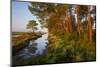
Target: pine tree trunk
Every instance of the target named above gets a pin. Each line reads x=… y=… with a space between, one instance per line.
x=89 y=24
x=78 y=24
x=68 y=22
x=78 y=19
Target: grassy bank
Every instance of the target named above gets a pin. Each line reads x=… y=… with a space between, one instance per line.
x=71 y=48
x=64 y=48
x=21 y=40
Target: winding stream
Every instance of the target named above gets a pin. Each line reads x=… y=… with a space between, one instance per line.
x=34 y=48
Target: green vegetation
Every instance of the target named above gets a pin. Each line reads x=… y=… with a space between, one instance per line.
x=64 y=48
x=32 y=25
x=71 y=39
x=21 y=40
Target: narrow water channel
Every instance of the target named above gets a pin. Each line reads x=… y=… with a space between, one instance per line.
x=34 y=48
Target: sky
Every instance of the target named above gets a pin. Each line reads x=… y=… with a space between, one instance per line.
x=20 y=17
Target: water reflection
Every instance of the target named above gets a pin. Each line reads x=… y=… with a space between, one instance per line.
x=41 y=44
x=34 y=48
